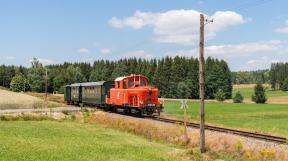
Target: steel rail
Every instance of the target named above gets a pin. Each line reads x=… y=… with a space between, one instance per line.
x=270 y=138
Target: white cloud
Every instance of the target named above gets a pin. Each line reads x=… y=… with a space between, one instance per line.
x=46 y=61
x=10 y=57
x=283 y=29
x=239 y=50
x=200 y=2
x=244 y=56
x=178 y=26
x=138 y=54
x=83 y=51
x=262 y=63
x=105 y=51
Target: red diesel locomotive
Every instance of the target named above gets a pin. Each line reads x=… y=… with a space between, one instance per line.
x=130 y=94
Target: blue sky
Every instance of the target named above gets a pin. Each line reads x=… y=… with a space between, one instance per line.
x=248 y=34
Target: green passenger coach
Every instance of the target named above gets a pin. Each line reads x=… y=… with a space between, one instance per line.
x=94 y=93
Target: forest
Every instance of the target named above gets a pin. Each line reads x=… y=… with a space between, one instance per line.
x=167 y=74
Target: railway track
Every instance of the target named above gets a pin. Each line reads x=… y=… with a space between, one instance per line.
x=270 y=138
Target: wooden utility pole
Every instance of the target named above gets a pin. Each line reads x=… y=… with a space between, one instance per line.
x=46 y=86
x=202 y=85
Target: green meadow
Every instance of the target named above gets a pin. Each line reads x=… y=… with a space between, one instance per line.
x=267 y=118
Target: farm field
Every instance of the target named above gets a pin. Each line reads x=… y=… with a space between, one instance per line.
x=54 y=140
x=267 y=118
x=13 y=100
x=274 y=97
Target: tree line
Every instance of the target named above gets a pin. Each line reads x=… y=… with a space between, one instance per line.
x=279 y=76
x=251 y=77
x=167 y=74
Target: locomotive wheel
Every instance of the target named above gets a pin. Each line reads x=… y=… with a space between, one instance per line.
x=140 y=113
x=127 y=111
x=106 y=108
x=113 y=109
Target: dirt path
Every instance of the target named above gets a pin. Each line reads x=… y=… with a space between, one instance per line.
x=58 y=109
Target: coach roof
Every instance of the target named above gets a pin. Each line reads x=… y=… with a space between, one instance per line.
x=86 y=84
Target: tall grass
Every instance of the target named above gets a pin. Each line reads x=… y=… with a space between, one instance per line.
x=25 y=117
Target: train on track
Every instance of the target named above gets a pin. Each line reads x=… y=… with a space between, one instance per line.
x=130 y=94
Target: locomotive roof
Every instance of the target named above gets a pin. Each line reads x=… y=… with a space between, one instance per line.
x=121 y=78
x=100 y=83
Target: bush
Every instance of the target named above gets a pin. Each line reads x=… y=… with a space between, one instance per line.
x=284 y=85
x=220 y=95
x=259 y=94
x=238 y=98
x=19 y=83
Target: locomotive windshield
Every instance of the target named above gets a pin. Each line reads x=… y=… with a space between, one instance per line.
x=132 y=83
x=142 y=82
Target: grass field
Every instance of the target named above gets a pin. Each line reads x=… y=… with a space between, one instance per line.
x=266 y=118
x=52 y=140
x=248 y=90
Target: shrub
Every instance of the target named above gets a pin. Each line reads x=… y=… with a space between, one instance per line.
x=65 y=112
x=19 y=83
x=238 y=98
x=259 y=94
x=220 y=95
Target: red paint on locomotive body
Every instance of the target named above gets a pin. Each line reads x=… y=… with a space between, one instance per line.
x=133 y=92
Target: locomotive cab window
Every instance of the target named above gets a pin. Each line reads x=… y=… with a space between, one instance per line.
x=131 y=83
x=118 y=84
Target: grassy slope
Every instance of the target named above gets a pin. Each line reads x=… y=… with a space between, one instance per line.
x=267 y=118
x=48 y=140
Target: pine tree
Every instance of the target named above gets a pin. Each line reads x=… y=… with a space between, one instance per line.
x=220 y=95
x=238 y=98
x=192 y=78
x=284 y=85
x=259 y=94
x=120 y=70
x=182 y=90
